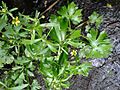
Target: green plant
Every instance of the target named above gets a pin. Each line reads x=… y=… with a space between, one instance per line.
x=20 y=73
x=54 y=48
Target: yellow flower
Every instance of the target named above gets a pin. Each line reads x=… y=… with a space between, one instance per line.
x=15 y=21
x=73 y=53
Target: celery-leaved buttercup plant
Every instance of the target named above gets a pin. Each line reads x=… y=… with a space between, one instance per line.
x=16 y=68
x=54 y=49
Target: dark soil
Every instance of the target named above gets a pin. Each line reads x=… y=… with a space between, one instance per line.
x=106 y=74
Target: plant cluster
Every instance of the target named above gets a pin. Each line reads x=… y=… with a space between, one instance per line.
x=53 y=49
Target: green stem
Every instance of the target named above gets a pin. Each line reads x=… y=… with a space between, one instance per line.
x=69 y=24
x=48 y=33
x=18 y=50
x=67 y=78
x=10 y=15
x=84 y=37
x=28 y=88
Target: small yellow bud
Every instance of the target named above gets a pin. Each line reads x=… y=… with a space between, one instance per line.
x=5 y=72
x=3 y=10
x=3 y=36
x=109 y=5
x=43 y=16
x=10 y=41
